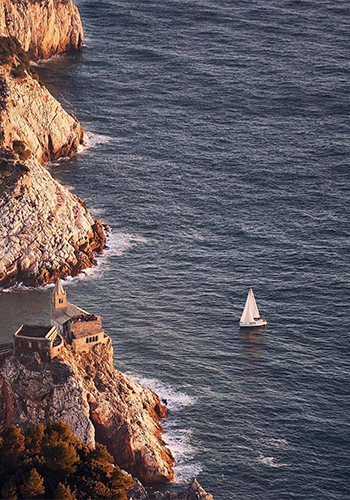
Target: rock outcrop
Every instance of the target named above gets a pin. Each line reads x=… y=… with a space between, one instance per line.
x=194 y=491
x=43 y=27
x=29 y=113
x=46 y=231
x=96 y=400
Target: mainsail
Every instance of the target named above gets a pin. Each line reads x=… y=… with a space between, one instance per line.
x=250 y=311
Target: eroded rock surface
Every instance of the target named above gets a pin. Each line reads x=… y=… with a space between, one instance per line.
x=46 y=231
x=44 y=28
x=29 y=113
x=194 y=491
x=96 y=400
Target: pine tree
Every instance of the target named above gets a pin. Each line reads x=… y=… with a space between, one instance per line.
x=33 y=439
x=9 y=490
x=63 y=493
x=33 y=485
x=11 y=447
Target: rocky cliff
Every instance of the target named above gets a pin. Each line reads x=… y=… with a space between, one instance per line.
x=96 y=400
x=194 y=491
x=43 y=27
x=45 y=231
x=29 y=113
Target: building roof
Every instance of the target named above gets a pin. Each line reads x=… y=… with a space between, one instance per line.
x=38 y=331
x=59 y=290
x=64 y=314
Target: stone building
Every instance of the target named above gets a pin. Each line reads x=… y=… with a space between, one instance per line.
x=78 y=327
x=43 y=339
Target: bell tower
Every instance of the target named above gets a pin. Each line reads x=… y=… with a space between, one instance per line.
x=59 y=296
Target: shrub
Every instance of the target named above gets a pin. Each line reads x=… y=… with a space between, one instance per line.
x=20 y=148
x=11 y=52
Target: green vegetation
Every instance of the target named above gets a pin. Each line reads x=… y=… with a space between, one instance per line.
x=50 y=462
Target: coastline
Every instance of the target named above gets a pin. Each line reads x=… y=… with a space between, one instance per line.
x=37 y=152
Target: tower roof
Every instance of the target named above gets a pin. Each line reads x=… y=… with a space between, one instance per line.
x=59 y=290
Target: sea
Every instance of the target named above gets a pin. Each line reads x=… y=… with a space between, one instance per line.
x=217 y=152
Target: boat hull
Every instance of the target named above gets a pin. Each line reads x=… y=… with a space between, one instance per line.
x=254 y=324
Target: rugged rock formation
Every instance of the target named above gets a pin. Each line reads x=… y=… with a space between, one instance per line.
x=43 y=27
x=45 y=230
x=95 y=399
x=29 y=113
x=194 y=491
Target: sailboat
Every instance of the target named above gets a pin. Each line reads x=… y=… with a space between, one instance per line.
x=251 y=317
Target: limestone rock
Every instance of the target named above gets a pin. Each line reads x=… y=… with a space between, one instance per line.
x=194 y=491
x=46 y=231
x=30 y=114
x=96 y=400
x=44 y=28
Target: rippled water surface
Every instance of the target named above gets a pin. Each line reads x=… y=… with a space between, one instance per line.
x=220 y=159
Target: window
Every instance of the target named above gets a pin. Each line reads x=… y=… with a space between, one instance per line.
x=60 y=301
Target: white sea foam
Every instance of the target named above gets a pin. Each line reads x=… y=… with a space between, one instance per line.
x=275 y=442
x=192 y=235
x=176 y=400
x=178 y=438
x=91 y=140
x=117 y=244
x=270 y=461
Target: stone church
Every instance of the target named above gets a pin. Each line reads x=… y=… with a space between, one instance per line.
x=79 y=328
x=69 y=323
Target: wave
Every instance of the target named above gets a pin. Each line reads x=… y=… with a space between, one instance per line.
x=91 y=140
x=275 y=442
x=117 y=244
x=175 y=435
x=270 y=461
x=175 y=400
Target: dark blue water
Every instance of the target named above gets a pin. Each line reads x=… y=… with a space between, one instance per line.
x=224 y=164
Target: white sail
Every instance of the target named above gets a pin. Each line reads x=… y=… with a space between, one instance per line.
x=250 y=311
x=256 y=313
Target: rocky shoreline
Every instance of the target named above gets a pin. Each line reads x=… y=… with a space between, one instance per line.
x=46 y=232
x=96 y=400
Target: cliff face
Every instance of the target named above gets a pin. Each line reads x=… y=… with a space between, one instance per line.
x=29 y=113
x=45 y=231
x=43 y=27
x=96 y=400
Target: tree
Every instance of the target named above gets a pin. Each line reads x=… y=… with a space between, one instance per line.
x=101 y=454
x=120 y=482
x=33 y=485
x=61 y=458
x=12 y=447
x=33 y=439
x=9 y=490
x=60 y=431
x=63 y=492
